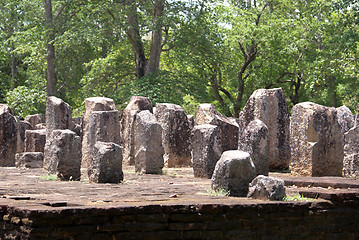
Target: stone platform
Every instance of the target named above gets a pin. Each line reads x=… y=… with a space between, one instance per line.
x=172 y=205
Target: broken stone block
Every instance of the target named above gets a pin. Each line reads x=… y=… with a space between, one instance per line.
x=351 y=153
x=58 y=116
x=103 y=126
x=8 y=137
x=136 y=105
x=34 y=119
x=270 y=106
x=106 y=164
x=22 y=126
x=77 y=126
x=316 y=141
x=207 y=114
x=190 y=121
x=176 y=134
x=29 y=160
x=35 y=140
x=206 y=149
x=255 y=140
x=345 y=118
x=40 y=126
x=233 y=172
x=148 y=147
x=64 y=153
x=92 y=104
x=267 y=188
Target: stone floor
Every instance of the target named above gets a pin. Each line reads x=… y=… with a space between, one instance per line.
x=29 y=188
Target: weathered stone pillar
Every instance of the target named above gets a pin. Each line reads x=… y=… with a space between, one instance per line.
x=316 y=141
x=136 y=105
x=58 y=116
x=106 y=164
x=345 y=118
x=35 y=140
x=64 y=153
x=233 y=173
x=351 y=153
x=206 y=149
x=29 y=160
x=34 y=119
x=270 y=106
x=22 y=126
x=176 y=134
x=148 y=149
x=8 y=137
x=92 y=104
x=228 y=129
x=255 y=140
x=103 y=126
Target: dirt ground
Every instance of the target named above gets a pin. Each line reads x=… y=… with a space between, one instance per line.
x=175 y=185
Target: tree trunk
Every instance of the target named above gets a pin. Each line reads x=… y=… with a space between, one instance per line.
x=156 y=41
x=51 y=79
x=134 y=36
x=13 y=67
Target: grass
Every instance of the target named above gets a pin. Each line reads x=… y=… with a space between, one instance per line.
x=50 y=177
x=220 y=192
x=298 y=198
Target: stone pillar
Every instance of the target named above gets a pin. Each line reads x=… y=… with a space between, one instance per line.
x=103 y=126
x=8 y=137
x=316 y=141
x=270 y=106
x=35 y=140
x=92 y=104
x=34 y=119
x=58 y=116
x=345 y=118
x=106 y=164
x=136 y=104
x=255 y=140
x=233 y=173
x=64 y=153
x=29 y=160
x=207 y=114
x=22 y=126
x=206 y=149
x=148 y=149
x=176 y=134
x=351 y=153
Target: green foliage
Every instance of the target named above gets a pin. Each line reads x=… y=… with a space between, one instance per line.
x=160 y=87
x=308 y=48
x=25 y=101
x=297 y=198
x=220 y=192
x=49 y=177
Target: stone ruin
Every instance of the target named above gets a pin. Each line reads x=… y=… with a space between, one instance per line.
x=351 y=150
x=147 y=141
x=176 y=134
x=136 y=105
x=206 y=149
x=8 y=136
x=270 y=106
x=316 y=141
x=323 y=140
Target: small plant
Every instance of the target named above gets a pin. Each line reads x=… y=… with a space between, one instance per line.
x=220 y=192
x=50 y=177
x=298 y=198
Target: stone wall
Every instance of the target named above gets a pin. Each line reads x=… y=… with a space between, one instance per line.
x=266 y=220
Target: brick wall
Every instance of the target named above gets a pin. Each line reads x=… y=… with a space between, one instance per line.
x=264 y=220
